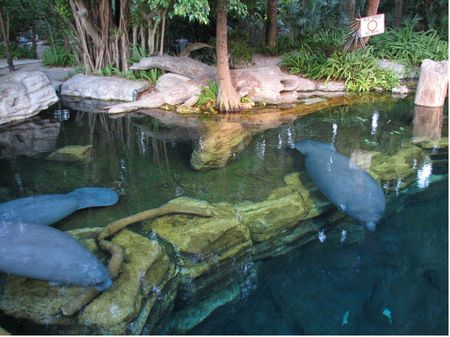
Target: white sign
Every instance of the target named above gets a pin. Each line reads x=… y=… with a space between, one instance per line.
x=371 y=25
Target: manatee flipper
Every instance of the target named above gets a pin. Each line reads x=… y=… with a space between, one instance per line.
x=94 y=196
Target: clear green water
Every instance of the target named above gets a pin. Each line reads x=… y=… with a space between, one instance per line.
x=402 y=267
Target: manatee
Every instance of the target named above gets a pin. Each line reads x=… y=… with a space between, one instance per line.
x=354 y=191
x=48 y=209
x=47 y=254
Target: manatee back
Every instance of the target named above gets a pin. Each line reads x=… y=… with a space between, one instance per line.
x=94 y=196
x=45 y=253
x=345 y=184
x=40 y=210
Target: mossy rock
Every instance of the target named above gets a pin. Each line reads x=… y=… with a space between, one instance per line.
x=71 y=153
x=397 y=171
x=430 y=144
x=218 y=143
x=283 y=210
x=123 y=309
x=3 y=332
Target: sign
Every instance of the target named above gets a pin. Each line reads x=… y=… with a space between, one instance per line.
x=371 y=25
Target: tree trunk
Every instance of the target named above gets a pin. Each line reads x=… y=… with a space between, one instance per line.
x=142 y=36
x=398 y=13
x=6 y=43
x=227 y=98
x=372 y=9
x=123 y=29
x=271 y=26
x=163 y=28
x=135 y=36
x=34 y=40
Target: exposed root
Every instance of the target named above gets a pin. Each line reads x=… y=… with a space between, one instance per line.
x=117 y=252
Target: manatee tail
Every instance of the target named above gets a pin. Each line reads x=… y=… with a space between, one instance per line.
x=94 y=196
x=307 y=145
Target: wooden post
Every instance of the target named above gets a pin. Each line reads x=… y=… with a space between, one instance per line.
x=427 y=122
x=433 y=83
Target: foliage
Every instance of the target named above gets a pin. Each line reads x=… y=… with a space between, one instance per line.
x=208 y=95
x=358 y=69
x=17 y=51
x=58 y=56
x=138 y=54
x=408 y=46
x=150 y=75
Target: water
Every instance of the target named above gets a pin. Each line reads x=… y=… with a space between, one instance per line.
x=395 y=282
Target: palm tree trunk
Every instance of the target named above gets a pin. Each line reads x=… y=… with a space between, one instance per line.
x=398 y=13
x=227 y=98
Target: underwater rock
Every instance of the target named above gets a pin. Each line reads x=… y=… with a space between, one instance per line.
x=45 y=253
x=209 y=250
x=430 y=144
x=3 y=332
x=29 y=138
x=140 y=296
x=345 y=184
x=24 y=94
x=71 y=153
x=141 y=285
x=48 y=209
x=397 y=171
x=218 y=142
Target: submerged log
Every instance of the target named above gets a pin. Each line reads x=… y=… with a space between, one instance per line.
x=433 y=83
x=427 y=122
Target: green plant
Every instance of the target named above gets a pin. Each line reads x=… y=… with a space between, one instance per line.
x=408 y=46
x=208 y=95
x=304 y=61
x=138 y=54
x=58 y=56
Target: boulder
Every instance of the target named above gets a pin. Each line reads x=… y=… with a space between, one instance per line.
x=140 y=296
x=399 y=69
x=29 y=138
x=103 y=87
x=218 y=142
x=306 y=85
x=331 y=86
x=266 y=84
x=71 y=153
x=3 y=332
x=172 y=89
x=24 y=94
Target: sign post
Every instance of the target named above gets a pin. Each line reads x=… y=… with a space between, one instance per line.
x=371 y=25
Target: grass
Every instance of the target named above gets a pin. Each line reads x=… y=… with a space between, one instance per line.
x=58 y=56
x=150 y=75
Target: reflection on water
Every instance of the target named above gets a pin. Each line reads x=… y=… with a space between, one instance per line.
x=393 y=282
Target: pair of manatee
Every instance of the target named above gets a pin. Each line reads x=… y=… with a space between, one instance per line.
x=30 y=248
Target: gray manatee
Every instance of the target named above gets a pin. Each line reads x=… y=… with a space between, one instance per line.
x=48 y=209
x=47 y=254
x=354 y=191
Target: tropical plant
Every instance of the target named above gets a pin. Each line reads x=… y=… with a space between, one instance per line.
x=208 y=95
x=409 y=46
x=59 y=56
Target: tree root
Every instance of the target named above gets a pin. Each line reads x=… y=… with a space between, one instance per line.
x=117 y=252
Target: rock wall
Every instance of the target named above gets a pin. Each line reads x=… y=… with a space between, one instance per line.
x=24 y=94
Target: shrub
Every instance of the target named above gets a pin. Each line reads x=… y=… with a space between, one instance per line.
x=208 y=95
x=150 y=75
x=58 y=56
x=408 y=46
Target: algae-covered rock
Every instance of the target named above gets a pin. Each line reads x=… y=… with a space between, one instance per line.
x=218 y=143
x=282 y=210
x=146 y=277
x=71 y=153
x=430 y=144
x=397 y=171
x=3 y=332
x=125 y=307
x=208 y=249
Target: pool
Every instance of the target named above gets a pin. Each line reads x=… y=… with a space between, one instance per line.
x=392 y=281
